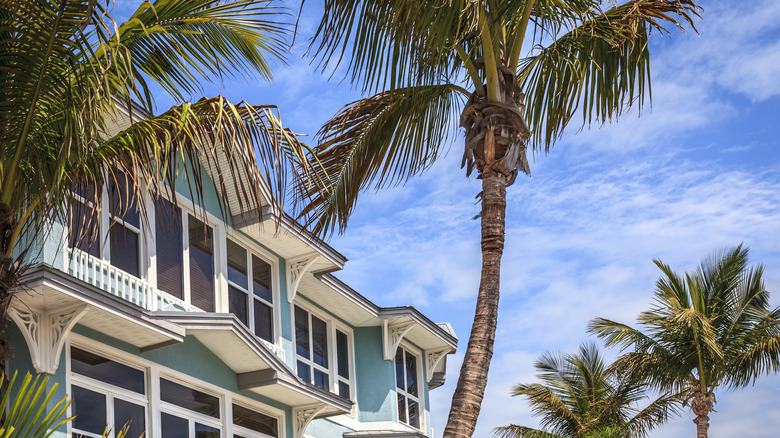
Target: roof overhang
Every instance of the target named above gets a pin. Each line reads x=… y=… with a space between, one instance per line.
x=257 y=368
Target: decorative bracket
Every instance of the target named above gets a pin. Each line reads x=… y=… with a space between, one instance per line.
x=295 y=270
x=302 y=416
x=45 y=333
x=432 y=360
x=392 y=333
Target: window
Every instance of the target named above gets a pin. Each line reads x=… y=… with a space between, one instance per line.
x=407 y=390
x=125 y=227
x=104 y=394
x=250 y=276
x=188 y=412
x=247 y=422
x=315 y=362
x=170 y=248
x=122 y=246
x=201 y=238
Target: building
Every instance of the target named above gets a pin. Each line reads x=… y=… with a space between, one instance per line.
x=218 y=325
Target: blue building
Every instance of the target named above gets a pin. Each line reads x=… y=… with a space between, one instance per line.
x=217 y=322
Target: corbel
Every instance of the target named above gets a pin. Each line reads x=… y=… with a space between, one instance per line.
x=46 y=332
x=295 y=269
x=392 y=333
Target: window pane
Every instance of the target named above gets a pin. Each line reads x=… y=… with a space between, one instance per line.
x=304 y=372
x=302 y=332
x=261 y=279
x=124 y=249
x=122 y=203
x=264 y=321
x=256 y=421
x=343 y=354
x=83 y=228
x=189 y=398
x=131 y=415
x=411 y=374
x=201 y=265
x=174 y=427
x=169 y=249
x=321 y=379
x=236 y=256
x=237 y=301
x=414 y=414
x=344 y=390
x=402 y=408
x=99 y=368
x=89 y=407
x=319 y=339
x=399 y=369
x=203 y=431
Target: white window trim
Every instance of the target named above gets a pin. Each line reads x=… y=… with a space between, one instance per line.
x=419 y=354
x=332 y=325
x=253 y=248
x=153 y=373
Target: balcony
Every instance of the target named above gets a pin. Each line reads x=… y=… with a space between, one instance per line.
x=103 y=275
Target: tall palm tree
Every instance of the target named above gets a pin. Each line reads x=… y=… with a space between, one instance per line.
x=69 y=72
x=708 y=328
x=581 y=397
x=513 y=74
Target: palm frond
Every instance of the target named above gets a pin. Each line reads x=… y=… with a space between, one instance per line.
x=392 y=44
x=600 y=66
x=515 y=431
x=374 y=142
x=27 y=413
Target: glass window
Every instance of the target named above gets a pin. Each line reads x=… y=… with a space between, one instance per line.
x=168 y=241
x=124 y=234
x=256 y=314
x=89 y=407
x=97 y=405
x=105 y=370
x=201 y=264
x=315 y=363
x=406 y=377
x=189 y=398
x=174 y=427
x=255 y=421
x=83 y=225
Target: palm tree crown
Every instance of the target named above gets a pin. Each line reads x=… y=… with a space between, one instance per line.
x=581 y=397
x=513 y=74
x=707 y=329
x=70 y=74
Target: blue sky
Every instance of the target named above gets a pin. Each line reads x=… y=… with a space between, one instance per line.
x=697 y=172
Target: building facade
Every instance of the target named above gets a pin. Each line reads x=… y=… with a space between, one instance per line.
x=211 y=321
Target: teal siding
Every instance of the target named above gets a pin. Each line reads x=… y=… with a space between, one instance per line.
x=326 y=428
x=374 y=377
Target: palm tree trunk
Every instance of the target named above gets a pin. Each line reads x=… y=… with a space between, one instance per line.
x=702 y=426
x=467 y=400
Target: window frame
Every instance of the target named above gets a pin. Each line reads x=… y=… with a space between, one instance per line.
x=421 y=385
x=110 y=391
x=332 y=325
x=105 y=220
x=252 y=249
x=154 y=405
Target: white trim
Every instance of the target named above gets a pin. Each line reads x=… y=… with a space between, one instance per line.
x=154 y=372
x=420 y=398
x=332 y=324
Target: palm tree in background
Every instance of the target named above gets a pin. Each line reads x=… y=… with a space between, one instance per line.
x=69 y=72
x=513 y=74
x=707 y=329
x=581 y=397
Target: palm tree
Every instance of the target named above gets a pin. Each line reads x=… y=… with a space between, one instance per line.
x=69 y=72
x=709 y=328
x=581 y=397
x=516 y=71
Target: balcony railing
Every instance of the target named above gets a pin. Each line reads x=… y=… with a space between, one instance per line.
x=117 y=282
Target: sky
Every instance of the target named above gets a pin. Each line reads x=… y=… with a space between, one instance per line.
x=697 y=172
